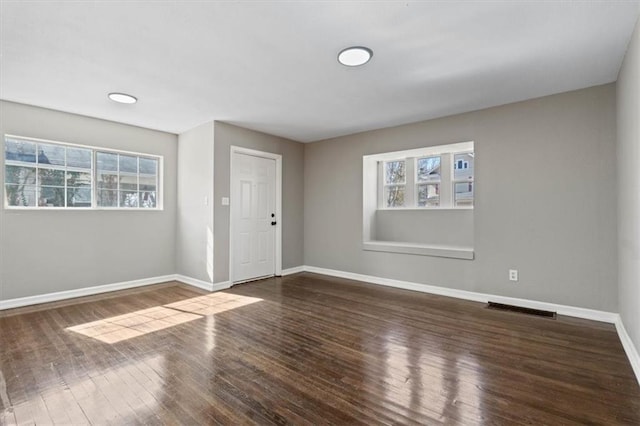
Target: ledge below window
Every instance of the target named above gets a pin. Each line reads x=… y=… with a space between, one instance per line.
x=454 y=252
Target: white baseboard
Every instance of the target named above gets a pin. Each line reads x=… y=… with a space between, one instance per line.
x=294 y=270
x=222 y=285
x=204 y=285
x=590 y=314
x=629 y=348
x=573 y=311
x=88 y=291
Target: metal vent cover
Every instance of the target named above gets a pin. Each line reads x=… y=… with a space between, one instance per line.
x=521 y=309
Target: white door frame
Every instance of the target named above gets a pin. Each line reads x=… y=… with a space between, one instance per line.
x=278 y=206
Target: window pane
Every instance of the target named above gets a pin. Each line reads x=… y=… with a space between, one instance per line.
x=128 y=199
x=20 y=175
x=128 y=164
x=78 y=157
x=428 y=169
x=40 y=176
x=429 y=195
x=21 y=195
x=16 y=150
x=78 y=179
x=51 y=177
x=147 y=183
x=148 y=166
x=148 y=199
x=51 y=197
x=463 y=166
x=394 y=172
x=51 y=154
x=107 y=181
x=463 y=194
x=394 y=196
x=79 y=197
x=106 y=161
x=128 y=183
x=107 y=198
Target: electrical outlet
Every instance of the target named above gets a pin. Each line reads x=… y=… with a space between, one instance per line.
x=513 y=275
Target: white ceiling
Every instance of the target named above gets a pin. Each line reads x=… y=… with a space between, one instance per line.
x=271 y=66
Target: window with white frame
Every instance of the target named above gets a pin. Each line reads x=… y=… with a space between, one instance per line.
x=46 y=174
x=432 y=177
x=428 y=179
x=463 y=179
x=395 y=178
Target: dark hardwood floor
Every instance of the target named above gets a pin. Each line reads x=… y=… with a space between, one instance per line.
x=306 y=349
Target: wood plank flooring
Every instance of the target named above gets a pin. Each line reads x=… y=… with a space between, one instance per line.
x=306 y=349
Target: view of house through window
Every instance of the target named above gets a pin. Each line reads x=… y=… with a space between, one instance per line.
x=463 y=179
x=433 y=177
x=428 y=181
x=41 y=174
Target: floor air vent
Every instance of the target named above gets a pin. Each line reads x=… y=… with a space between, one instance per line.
x=520 y=309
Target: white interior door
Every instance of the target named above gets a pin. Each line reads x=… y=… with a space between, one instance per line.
x=253 y=213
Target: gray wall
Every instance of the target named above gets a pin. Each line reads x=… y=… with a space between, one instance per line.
x=194 y=249
x=49 y=251
x=545 y=203
x=628 y=113
x=292 y=153
x=438 y=227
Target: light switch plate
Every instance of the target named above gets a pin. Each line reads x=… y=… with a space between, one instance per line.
x=225 y=201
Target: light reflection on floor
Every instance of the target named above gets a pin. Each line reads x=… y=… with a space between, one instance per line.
x=122 y=327
x=136 y=385
x=445 y=388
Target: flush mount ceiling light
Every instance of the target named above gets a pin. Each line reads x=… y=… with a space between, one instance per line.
x=355 y=56
x=123 y=98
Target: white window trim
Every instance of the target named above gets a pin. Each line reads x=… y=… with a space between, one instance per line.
x=94 y=150
x=447 y=182
x=372 y=198
x=453 y=252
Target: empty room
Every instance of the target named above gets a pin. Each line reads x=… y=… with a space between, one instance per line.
x=320 y=212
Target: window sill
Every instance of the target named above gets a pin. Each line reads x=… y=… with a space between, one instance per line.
x=454 y=252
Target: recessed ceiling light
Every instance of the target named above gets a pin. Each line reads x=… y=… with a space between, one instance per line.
x=355 y=56
x=123 y=98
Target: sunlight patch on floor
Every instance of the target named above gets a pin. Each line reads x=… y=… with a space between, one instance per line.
x=145 y=321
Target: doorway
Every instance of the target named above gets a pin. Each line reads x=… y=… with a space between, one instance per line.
x=255 y=219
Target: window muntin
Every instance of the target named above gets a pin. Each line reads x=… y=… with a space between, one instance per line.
x=126 y=181
x=395 y=177
x=432 y=177
x=44 y=174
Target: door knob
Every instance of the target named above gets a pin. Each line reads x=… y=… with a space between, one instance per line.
x=273 y=223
